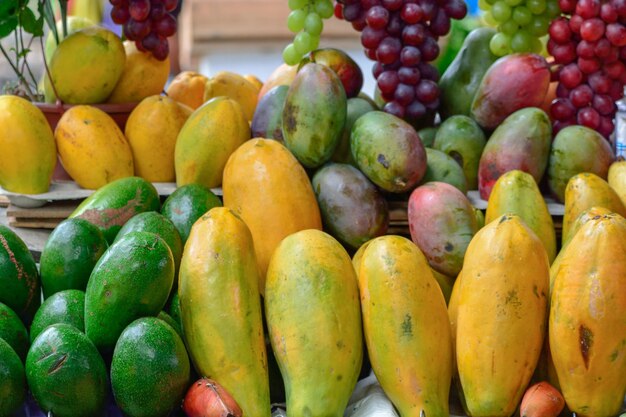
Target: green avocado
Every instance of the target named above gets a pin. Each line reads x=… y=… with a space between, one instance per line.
x=66 y=306
x=13 y=331
x=12 y=380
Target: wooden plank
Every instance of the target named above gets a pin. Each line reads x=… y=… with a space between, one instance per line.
x=54 y=210
x=34 y=223
x=4 y=201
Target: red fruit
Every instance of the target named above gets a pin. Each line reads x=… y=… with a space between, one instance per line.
x=542 y=400
x=377 y=17
x=603 y=48
x=170 y=5
x=616 y=34
x=415 y=110
x=388 y=82
x=592 y=29
x=207 y=398
x=608 y=13
x=586 y=49
x=166 y=26
x=588 y=8
x=162 y=50
x=139 y=9
x=135 y=30
x=575 y=22
x=606 y=126
x=150 y=42
x=426 y=91
x=581 y=96
x=562 y=109
x=157 y=11
x=339 y=11
x=571 y=76
x=560 y=31
x=567 y=6
x=120 y=15
x=411 y=13
x=588 y=117
x=603 y=104
x=614 y=70
x=395 y=108
x=588 y=66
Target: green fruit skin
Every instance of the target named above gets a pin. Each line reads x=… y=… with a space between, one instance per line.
x=521 y=142
x=343 y=65
x=352 y=208
x=388 y=151
x=186 y=204
x=314 y=114
x=111 y=206
x=69 y=255
x=427 y=135
x=462 y=78
x=154 y=222
x=19 y=279
x=357 y=107
x=577 y=149
x=443 y=168
x=12 y=380
x=149 y=369
x=66 y=373
x=67 y=306
x=13 y=331
x=132 y=279
x=174 y=310
x=461 y=138
x=173 y=323
x=267 y=121
x=480 y=218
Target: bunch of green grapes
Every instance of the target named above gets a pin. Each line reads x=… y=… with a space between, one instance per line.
x=520 y=23
x=305 y=20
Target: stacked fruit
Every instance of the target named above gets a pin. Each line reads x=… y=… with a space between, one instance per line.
x=589 y=44
x=147 y=22
x=401 y=36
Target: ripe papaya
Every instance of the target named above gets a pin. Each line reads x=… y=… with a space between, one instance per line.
x=221 y=308
x=314 y=322
x=406 y=326
x=588 y=318
x=617 y=179
x=501 y=313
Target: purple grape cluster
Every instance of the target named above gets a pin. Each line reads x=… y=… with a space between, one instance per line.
x=401 y=36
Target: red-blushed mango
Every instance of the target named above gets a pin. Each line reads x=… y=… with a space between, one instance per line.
x=267 y=121
x=442 y=223
x=345 y=67
x=512 y=83
x=521 y=142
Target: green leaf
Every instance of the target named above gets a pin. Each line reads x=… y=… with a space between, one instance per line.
x=24 y=52
x=30 y=23
x=7 y=26
x=48 y=13
x=8 y=8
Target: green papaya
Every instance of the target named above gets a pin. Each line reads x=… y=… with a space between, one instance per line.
x=12 y=330
x=111 y=206
x=132 y=279
x=66 y=373
x=461 y=79
x=69 y=255
x=19 y=279
x=12 y=380
x=443 y=168
x=67 y=306
x=186 y=204
x=314 y=114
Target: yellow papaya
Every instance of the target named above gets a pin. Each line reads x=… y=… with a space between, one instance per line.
x=28 y=152
x=516 y=192
x=188 y=88
x=501 y=315
x=617 y=179
x=208 y=137
x=314 y=322
x=235 y=87
x=406 y=326
x=266 y=185
x=221 y=309
x=587 y=327
x=586 y=190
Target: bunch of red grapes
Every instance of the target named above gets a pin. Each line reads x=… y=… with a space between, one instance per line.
x=147 y=22
x=589 y=43
x=401 y=36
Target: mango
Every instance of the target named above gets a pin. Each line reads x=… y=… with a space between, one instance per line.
x=208 y=137
x=345 y=67
x=28 y=155
x=235 y=87
x=584 y=191
x=406 y=326
x=500 y=314
x=314 y=322
x=255 y=81
x=516 y=192
x=352 y=208
x=461 y=79
x=588 y=318
x=92 y=148
x=441 y=223
x=512 y=83
x=443 y=168
x=427 y=135
x=521 y=142
x=188 y=88
x=267 y=121
x=85 y=67
x=74 y=24
x=152 y=130
x=275 y=199
x=357 y=107
x=617 y=179
x=462 y=139
x=388 y=151
x=143 y=76
x=282 y=75
x=314 y=114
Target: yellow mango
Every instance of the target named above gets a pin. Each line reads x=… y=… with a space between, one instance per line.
x=617 y=179
x=235 y=87
x=92 y=148
x=586 y=190
x=208 y=137
x=152 y=129
x=516 y=192
x=86 y=66
x=588 y=318
x=501 y=315
x=188 y=88
x=27 y=148
x=406 y=326
x=266 y=185
x=143 y=76
x=254 y=80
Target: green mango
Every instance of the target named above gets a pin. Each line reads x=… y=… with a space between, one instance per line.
x=427 y=135
x=357 y=107
x=443 y=168
x=461 y=79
